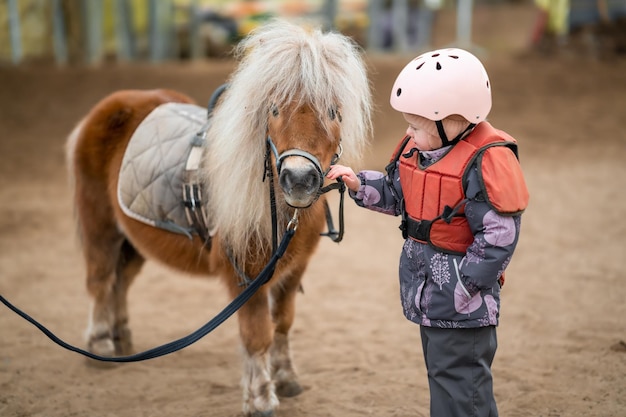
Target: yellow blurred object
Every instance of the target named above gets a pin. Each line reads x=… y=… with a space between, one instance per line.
x=246 y=26
x=356 y=20
x=558 y=14
x=362 y=20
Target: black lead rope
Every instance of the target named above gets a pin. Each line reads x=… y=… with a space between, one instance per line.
x=183 y=342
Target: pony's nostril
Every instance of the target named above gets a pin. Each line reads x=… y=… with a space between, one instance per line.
x=286 y=180
x=312 y=180
x=307 y=181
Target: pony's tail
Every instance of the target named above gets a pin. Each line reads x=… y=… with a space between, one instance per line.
x=70 y=152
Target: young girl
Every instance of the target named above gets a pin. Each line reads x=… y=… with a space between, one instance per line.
x=459 y=188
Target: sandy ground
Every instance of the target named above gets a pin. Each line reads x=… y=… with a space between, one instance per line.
x=562 y=337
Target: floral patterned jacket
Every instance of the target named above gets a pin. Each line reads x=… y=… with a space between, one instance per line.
x=439 y=289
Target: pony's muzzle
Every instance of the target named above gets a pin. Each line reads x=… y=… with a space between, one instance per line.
x=300 y=183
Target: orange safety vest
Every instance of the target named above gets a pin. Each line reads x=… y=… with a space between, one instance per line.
x=434 y=197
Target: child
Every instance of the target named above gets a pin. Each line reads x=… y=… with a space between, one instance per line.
x=459 y=188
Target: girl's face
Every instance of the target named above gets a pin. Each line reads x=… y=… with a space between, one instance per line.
x=423 y=134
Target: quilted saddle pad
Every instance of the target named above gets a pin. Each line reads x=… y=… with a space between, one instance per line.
x=150 y=187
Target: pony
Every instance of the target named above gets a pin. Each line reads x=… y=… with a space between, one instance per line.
x=297 y=100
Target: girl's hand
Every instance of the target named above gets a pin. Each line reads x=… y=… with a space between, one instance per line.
x=347 y=176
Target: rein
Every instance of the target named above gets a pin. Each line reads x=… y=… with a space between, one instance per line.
x=333 y=234
x=264 y=276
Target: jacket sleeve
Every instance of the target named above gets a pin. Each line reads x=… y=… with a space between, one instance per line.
x=379 y=192
x=495 y=239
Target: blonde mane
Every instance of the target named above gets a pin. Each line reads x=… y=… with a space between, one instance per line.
x=278 y=63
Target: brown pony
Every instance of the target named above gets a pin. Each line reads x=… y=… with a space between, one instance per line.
x=308 y=93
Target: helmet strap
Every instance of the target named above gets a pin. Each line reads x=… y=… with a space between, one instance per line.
x=444 y=137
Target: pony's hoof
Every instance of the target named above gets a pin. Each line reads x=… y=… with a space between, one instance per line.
x=122 y=339
x=288 y=389
x=102 y=347
x=123 y=348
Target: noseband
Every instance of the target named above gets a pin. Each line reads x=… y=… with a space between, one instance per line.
x=304 y=154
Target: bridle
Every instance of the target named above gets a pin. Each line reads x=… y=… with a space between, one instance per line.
x=335 y=235
x=268 y=173
x=304 y=154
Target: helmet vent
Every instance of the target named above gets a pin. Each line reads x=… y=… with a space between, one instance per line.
x=454 y=56
x=438 y=66
x=398 y=92
x=420 y=66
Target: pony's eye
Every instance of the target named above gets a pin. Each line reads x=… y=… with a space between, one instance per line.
x=334 y=113
x=274 y=111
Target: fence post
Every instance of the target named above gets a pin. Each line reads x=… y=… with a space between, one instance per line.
x=124 y=29
x=195 y=43
x=59 y=33
x=330 y=9
x=464 y=10
x=374 y=33
x=400 y=25
x=464 y=22
x=92 y=11
x=15 y=32
x=160 y=24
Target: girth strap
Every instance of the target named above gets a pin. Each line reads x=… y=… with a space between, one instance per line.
x=193 y=199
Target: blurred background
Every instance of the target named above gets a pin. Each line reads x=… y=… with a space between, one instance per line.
x=93 y=31
x=558 y=72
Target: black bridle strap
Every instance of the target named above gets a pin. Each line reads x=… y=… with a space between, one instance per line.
x=333 y=234
x=269 y=172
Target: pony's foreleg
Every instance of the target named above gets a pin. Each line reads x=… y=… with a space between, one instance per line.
x=283 y=313
x=256 y=331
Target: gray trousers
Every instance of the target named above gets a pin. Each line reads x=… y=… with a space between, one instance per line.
x=458 y=362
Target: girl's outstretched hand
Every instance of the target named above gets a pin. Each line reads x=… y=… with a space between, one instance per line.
x=347 y=176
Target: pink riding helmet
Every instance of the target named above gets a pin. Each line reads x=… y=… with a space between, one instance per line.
x=440 y=83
